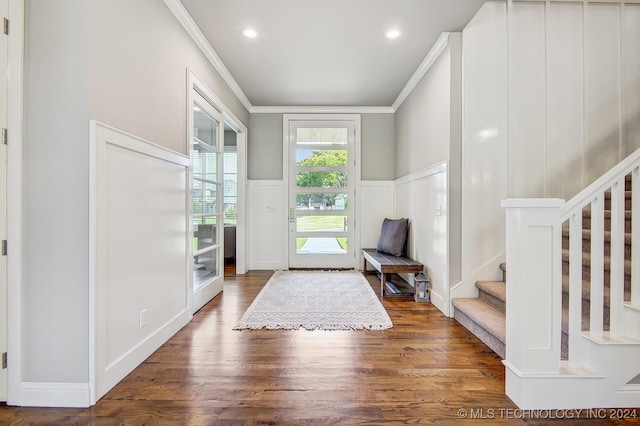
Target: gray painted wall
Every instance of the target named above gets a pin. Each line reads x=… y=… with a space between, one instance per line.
x=423 y=121
x=428 y=130
x=265 y=156
x=378 y=153
x=264 y=147
x=133 y=77
x=55 y=194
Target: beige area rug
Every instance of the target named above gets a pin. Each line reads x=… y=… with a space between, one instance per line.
x=316 y=300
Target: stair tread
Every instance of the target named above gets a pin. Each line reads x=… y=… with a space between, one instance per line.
x=497 y=289
x=483 y=314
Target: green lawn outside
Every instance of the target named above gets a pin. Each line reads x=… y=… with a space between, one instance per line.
x=320 y=223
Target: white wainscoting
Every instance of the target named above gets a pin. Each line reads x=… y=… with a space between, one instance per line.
x=423 y=198
x=139 y=252
x=267 y=225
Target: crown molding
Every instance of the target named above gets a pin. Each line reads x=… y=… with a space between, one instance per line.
x=433 y=54
x=321 y=110
x=182 y=15
x=185 y=19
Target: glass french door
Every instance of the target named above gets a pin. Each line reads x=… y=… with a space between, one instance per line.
x=207 y=144
x=321 y=194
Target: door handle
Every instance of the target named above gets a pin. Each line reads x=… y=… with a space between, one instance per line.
x=292 y=215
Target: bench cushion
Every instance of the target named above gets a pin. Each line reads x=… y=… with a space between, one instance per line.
x=393 y=236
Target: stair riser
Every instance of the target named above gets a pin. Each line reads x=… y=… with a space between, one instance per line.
x=493 y=342
x=493 y=301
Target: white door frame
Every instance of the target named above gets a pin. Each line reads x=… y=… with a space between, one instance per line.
x=286 y=119
x=14 y=200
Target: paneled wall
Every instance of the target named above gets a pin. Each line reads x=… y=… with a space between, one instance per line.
x=267 y=227
x=550 y=104
x=423 y=197
x=139 y=239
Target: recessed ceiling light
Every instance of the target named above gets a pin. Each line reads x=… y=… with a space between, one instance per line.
x=392 y=33
x=250 y=33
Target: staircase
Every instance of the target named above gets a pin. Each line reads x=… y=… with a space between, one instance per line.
x=574 y=305
x=485 y=315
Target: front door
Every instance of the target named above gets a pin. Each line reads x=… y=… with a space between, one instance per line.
x=321 y=193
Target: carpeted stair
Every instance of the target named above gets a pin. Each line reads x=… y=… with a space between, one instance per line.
x=484 y=316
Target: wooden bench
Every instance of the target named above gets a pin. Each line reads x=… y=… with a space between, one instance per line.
x=387 y=264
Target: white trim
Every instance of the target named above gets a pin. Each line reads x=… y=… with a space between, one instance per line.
x=183 y=16
x=420 y=174
x=14 y=201
x=433 y=54
x=43 y=394
x=293 y=109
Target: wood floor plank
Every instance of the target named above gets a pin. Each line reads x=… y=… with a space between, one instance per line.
x=423 y=370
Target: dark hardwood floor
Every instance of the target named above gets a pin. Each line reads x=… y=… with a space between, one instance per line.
x=425 y=369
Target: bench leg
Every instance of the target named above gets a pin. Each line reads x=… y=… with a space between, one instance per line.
x=382 y=282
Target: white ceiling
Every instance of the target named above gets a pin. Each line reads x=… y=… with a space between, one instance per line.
x=325 y=52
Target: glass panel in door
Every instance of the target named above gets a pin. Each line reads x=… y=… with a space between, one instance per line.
x=321 y=180
x=207 y=185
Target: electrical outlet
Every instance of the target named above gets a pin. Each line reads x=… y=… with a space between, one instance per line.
x=144 y=317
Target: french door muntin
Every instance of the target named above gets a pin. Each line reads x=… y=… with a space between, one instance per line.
x=321 y=193
x=207 y=178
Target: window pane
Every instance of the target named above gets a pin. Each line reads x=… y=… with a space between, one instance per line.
x=326 y=201
x=328 y=245
x=321 y=223
x=321 y=157
x=205 y=164
x=322 y=135
x=204 y=197
x=204 y=233
x=204 y=127
x=205 y=267
x=321 y=179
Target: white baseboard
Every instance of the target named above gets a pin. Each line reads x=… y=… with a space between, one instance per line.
x=267 y=266
x=43 y=394
x=120 y=368
x=440 y=302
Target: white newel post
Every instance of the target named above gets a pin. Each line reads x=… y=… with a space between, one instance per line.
x=534 y=291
